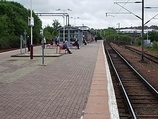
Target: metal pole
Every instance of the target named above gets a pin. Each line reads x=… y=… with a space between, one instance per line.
x=68 y=20
x=43 y=49
x=25 y=39
x=31 y=45
x=64 y=27
x=142 y=53
x=21 y=38
x=43 y=46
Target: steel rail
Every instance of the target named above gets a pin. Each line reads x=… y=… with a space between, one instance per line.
x=130 y=107
x=146 y=55
x=141 y=77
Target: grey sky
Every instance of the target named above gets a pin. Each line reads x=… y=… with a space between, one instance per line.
x=92 y=12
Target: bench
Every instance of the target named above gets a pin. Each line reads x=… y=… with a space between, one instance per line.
x=74 y=45
x=61 y=48
x=50 y=45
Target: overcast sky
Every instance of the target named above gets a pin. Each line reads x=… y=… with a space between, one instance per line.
x=92 y=13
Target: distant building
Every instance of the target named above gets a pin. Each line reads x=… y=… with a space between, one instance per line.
x=147 y=43
x=135 y=32
x=79 y=32
x=88 y=34
x=70 y=34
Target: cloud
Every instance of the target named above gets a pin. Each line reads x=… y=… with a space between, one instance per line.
x=92 y=12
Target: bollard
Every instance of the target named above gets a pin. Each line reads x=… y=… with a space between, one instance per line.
x=25 y=33
x=42 y=50
x=21 y=39
x=41 y=32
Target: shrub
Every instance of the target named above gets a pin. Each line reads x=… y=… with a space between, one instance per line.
x=155 y=46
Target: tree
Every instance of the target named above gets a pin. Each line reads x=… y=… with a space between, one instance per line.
x=55 y=26
x=51 y=32
x=4 y=28
x=153 y=36
x=13 y=23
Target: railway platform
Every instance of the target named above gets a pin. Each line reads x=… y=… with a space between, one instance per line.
x=70 y=86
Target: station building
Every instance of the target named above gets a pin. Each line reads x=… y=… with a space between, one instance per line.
x=79 y=32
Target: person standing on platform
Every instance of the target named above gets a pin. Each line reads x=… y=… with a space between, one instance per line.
x=76 y=43
x=57 y=40
x=84 y=41
x=28 y=43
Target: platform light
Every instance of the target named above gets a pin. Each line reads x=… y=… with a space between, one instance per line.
x=31 y=25
x=75 y=20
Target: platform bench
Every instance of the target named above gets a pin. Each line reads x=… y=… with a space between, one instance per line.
x=61 y=48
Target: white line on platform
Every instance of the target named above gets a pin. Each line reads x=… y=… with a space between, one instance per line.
x=111 y=94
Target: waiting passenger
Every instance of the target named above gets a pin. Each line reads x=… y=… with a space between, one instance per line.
x=28 y=43
x=84 y=41
x=57 y=40
x=65 y=46
x=76 y=43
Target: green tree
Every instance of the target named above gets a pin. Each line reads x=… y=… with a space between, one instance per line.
x=55 y=26
x=153 y=36
x=155 y=46
x=51 y=31
x=13 y=23
x=4 y=29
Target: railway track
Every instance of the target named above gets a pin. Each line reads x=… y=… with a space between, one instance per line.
x=136 y=98
x=146 y=55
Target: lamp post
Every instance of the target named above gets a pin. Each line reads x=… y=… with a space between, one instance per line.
x=75 y=20
x=63 y=27
x=64 y=21
x=25 y=33
x=31 y=24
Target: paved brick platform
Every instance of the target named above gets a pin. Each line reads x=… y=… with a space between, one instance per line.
x=58 y=90
x=72 y=86
x=97 y=106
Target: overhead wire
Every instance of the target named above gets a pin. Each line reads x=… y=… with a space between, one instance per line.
x=118 y=10
x=121 y=8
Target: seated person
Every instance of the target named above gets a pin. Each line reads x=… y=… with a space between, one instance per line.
x=66 y=47
x=51 y=43
x=76 y=43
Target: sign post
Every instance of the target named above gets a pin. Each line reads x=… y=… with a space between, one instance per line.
x=25 y=33
x=41 y=32
x=21 y=39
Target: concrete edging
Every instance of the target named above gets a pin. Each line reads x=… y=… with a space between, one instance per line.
x=114 y=114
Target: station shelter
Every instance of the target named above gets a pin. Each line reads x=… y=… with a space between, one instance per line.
x=79 y=32
x=88 y=34
x=70 y=34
